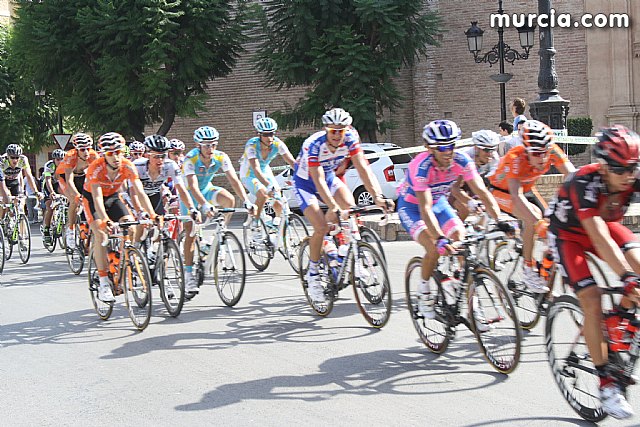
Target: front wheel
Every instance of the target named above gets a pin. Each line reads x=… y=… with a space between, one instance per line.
x=494 y=321
x=24 y=239
x=256 y=242
x=371 y=237
x=103 y=309
x=322 y=308
x=571 y=365
x=295 y=231
x=170 y=274
x=75 y=256
x=230 y=270
x=371 y=285
x=136 y=280
x=2 y=250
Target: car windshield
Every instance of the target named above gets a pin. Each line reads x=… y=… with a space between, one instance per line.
x=399 y=158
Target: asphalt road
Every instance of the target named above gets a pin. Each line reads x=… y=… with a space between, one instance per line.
x=269 y=361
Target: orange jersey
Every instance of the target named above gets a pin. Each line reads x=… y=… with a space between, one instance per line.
x=97 y=175
x=70 y=161
x=515 y=165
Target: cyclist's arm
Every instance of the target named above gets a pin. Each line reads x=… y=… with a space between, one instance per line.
x=364 y=171
x=48 y=184
x=98 y=202
x=26 y=172
x=600 y=237
x=71 y=186
x=184 y=194
x=192 y=183
x=4 y=191
x=232 y=177
x=317 y=175
x=458 y=193
x=479 y=189
x=289 y=158
x=425 y=203
x=566 y=168
x=517 y=196
x=255 y=167
x=143 y=199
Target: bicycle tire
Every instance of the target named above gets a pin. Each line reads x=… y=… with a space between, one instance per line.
x=9 y=227
x=295 y=231
x=494 y=321
x=257 y=249
x=434 y=333
x=103 y=309
x=373 y=297
x=370 y=236
x=2 y=249
x=75 y=256
x=230 y=291
x=573 y=372
x=52 y=246
x=320 y=308
x=24 y=243
x=171 y=285
x=136 y=283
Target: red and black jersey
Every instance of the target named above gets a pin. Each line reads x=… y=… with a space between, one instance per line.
x=584 y=195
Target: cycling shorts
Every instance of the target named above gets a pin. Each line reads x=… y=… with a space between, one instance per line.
x=506 y=204
x=210 y=194
x=306 y=193
x=253 y=184
x=14 y=186
x=411 y=220
x=114 y=205
x=157 y=202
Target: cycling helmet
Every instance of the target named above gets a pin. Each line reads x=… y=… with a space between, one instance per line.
x=157 y=143
x=266 y=125
x=136 y=147
x=337 y=116
x=206 y=134
x=14 y=150
x=441 y=132
x=536 y=136
x=617 y=146
x=486 y=139
x=176 y=144
x=111 y=141
x=57 y=154
x=82 y=140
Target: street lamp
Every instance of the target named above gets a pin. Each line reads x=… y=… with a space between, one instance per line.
x=500 y=53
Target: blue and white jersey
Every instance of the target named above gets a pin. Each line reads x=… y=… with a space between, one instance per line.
x=315 y=152
x=253 y=150
x=193 y=165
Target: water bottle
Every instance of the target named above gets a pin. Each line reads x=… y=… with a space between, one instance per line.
x=342 y=250
x=547 y=263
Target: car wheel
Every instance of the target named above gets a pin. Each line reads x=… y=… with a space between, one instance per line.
x=363 y=197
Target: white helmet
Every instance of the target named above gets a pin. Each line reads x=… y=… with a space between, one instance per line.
x=486 y=139
x=337 y=116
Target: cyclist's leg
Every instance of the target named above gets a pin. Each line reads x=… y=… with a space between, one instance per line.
x=256 y=190
x=630 y=246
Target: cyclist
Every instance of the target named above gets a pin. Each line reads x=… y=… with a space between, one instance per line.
x=102 y=202
x=255 y=173
x=176 y=152
x=484 y=155
x=50 y=187
x=586 y=216
x=15 y=167
x=423 y=205
x=517 y=174
x=314 y=176
x=136 y=150
x=198 y=169
x=71 y=176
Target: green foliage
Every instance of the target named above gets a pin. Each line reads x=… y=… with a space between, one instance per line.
x=347 y=51
x=294 y=143
x=121 y=65
x=578 y=126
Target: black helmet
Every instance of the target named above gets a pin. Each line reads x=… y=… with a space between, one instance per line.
x=157 y=143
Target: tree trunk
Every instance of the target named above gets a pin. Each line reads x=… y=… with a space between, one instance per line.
x=368 y=136
x=168 y=117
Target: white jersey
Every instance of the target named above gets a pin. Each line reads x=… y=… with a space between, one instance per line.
x=315 y=152
x=169 y=172
x=487 y=169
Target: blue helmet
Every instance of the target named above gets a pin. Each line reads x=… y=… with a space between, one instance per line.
x=206 y=134
x=266 y=124
x=441 y=132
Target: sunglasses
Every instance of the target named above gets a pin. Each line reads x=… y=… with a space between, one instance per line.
x=176 y=152
x=207 y=144
x=158 y=156
x=445 y=148
x=621 y=170
x=334 y=131
x=82 y=149
x=14 y=158
x=488 y=150
x=113 y=153
x=137 y=153
x=539 y=153
x=267 y=134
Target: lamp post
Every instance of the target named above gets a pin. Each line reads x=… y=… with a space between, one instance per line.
x=500 y=53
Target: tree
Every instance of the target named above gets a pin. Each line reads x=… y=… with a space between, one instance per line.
x=121 y=65
x=347 y=52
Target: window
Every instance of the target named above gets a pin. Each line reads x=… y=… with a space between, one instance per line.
x=399 y=158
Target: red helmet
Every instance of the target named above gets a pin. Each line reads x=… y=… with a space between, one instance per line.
x=536 y=136
x=618 y=146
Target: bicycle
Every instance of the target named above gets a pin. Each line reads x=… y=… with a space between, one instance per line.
x=572 y=367
x=362 y=267
x=221 y=257
x=491 y=313
x=16 y=229
x=165 y=265
x=128 y=274
x=59 y=208
x=262 y=242
x=82 y=238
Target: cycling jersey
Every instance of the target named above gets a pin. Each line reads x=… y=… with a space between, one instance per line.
x=423 y=174
x=49 y=170
x=315 y=152
x=168 y=172
x=253 y=150
x=70 y=163
x=488 y=168
x=515 y=165
x=193 y=165
x=12 y=173
x=97 y=175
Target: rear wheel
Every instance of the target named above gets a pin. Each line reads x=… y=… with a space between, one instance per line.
x=573 y=370
x=295 y=231
x=326 y=278
x=170 y=274
x=2 y=250
x=24 y=239
x=103 y=309
x=256 y=243
x=371 y=285
x=136 y=280
x=75 y=256
x=49 y=242
x=230 y=270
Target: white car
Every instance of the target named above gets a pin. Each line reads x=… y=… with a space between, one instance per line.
x=389 y=170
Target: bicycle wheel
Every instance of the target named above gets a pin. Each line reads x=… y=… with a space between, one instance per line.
x=75 y=256
x=137 y=288
x=2 y=249
x=371 y=285
x=494 y=322
x=230 y=271
x=295 y=231
x=434 y=333
x=49 y=245
x=9 y=231
x=103 y=309
x=371 y=237
x=321 y=308
x=170 y=273
x=256 y=243
x=571 y=365
x=24 y=239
